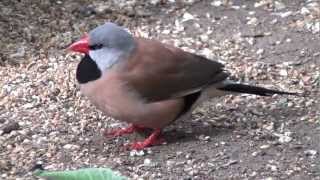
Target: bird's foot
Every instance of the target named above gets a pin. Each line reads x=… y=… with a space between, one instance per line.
x=122 y=131
x=153 y=139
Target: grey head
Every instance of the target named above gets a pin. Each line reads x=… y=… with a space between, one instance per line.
x=108 y=44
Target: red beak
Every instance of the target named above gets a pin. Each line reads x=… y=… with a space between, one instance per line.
x=81 y=46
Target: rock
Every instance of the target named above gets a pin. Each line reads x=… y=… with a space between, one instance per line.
x=269 y=126
x=310 y=152
x=28 y=106
x=137 y=153
x=285 y=138
x=250 y=40
x=20 y=52
x=71 y=146
x=253 y=21
x=262 y=3
x=143 y=13
x=223 y=143
x=216 y=3
x=188 y=156
x=314 y=27
x=230 y=162
x=265 y=146
x=283 y=72
x=304 y=11
x=260 y=51
x=255 y=153
x=147 y=162
x=103 y=9
x=278 y=42
x=193 y=172
x=253 y=174
x=87 y=11
x=5 y=165
x=170 y=163
x=154 y=2
x=314 y=6
x=203 y=137
x=235 y=7
x=8 y=128
x=279 y=5
x=272 y=167
x=285 y=14
x=204 y=38
x=187 y=16
x=207 y=53
x=2 y=120
x=268 y=178
x=189 y=2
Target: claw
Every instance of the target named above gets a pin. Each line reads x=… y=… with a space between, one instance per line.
x=153 y=139
x=119 y=132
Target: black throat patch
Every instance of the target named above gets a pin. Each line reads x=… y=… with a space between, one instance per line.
x=87 y=70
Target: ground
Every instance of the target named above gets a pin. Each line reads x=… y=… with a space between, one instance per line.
x=45 y=119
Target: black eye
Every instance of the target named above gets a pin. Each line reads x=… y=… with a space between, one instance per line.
x=96 y=46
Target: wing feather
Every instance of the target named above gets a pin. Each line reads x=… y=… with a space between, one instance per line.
x=158 y=72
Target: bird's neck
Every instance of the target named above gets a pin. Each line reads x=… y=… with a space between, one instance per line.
x=105 y=58
x=87 y=70
x=96 y=62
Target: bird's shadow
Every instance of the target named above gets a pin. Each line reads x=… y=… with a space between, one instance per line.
x=175 y=135
x=187 y=130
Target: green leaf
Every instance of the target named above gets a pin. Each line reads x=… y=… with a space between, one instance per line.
x=81 y=174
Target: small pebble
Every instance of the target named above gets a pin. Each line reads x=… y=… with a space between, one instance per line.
x=71 y=146
x=265 y=146
x=310 y=152
x=137 y=153
x=147 y=162
x=11 y=126
x=260 y=51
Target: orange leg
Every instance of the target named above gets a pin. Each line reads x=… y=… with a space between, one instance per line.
x=129 y=130
x=153 y=139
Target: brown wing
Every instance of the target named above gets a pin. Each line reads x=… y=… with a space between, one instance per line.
x=157 y=71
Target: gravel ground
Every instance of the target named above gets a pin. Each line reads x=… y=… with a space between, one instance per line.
x=44 y=118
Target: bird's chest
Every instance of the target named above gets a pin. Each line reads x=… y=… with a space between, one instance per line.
x=111 y=95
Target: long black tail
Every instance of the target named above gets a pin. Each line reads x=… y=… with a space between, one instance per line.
x=248 y=89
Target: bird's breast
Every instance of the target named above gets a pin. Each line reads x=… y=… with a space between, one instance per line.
x=111 y=95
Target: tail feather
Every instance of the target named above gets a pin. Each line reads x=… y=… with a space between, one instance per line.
x=248 y=89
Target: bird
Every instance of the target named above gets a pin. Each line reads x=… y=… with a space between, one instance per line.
x=147 y=83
